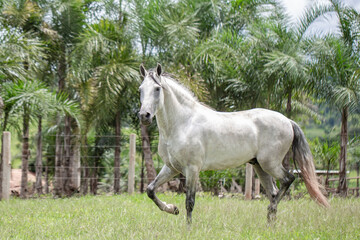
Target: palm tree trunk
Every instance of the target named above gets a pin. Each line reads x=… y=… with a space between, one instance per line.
x=94 y=179
x=357 y=180
x=286 y=161
x=62 y=70
x=1 y=128
x=25 y=153
x=67 y=160
x=38 y=164
x=47 y=176
x=142 y=175
x=59 y=171
x=288 y=104
x=149 y=164
x=117 y=153
x=85 y=169
x=1 y=109
x=99 y=151
x=58 y=164
x=342 y=188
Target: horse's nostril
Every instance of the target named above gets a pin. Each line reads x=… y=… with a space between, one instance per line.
x=147 y=115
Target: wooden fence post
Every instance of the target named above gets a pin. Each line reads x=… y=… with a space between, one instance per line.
x=6 y=166
x=257 y=188
x=131 y=172
x=248 y=181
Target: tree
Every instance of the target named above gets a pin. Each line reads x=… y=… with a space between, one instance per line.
x=25 y=99
x=20 y=55
x=104 y=58
x=336 y=62
x=67 y=21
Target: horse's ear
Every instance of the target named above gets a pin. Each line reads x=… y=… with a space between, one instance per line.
x=158 y=69
x=143 y=71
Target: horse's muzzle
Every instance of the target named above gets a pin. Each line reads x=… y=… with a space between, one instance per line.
x=145 y=118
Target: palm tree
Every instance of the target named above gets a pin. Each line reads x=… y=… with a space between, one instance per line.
x=67 y=21
x=336 y=62
x=335 y=79
x=286 y=66
x=26 y=98
x=32 y=99
x=231 y=61
x=21 y=55
x=103 y=58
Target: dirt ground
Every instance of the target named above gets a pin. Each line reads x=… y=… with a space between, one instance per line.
x=15 y=180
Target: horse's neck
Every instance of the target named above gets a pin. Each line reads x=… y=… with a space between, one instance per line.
x=175 y=110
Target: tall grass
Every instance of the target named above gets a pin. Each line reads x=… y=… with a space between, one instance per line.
x=136 y=217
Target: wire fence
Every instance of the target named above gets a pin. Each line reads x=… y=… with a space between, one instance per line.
x=96 y=164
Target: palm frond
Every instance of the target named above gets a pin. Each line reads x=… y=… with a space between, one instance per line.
x=303 y=108
x=18 y=13
x=21 y=56
x=310 y=16
x=347 y=97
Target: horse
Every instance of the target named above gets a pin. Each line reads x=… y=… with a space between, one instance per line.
x=193 y=138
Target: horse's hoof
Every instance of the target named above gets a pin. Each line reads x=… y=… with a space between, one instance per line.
x=171 y=209
x=176 y=211
x=271 y=218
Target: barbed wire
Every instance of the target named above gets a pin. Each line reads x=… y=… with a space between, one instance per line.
x=100 y=136
x=136 y=178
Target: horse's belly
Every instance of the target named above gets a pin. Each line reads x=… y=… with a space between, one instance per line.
x=218 y=158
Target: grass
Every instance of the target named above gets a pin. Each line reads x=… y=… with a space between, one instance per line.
x=136 y=217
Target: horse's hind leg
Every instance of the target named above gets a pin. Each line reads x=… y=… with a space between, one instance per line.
x=271 y=190
x=165 y=175
x=285 y=179
x=266 y=179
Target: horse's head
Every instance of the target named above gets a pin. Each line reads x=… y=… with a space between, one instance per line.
x=151 y=93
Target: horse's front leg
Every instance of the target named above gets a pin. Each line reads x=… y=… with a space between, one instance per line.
x=164 y=176
x=191 y=174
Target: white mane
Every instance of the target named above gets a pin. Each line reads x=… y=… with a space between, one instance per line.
x=180 y=88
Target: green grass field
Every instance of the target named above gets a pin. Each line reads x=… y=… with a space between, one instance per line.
x=136 y=217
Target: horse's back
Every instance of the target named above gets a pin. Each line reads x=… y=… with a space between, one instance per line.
x=231 y=139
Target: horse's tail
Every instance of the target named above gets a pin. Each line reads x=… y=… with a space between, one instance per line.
x=303 y=157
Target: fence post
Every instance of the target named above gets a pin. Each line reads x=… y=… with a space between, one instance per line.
x=257 y=188
x=131 y=172
x=248 y=181
x=6 y=166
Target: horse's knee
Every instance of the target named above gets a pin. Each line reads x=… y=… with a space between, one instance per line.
x=287 y=180
x=150 y=190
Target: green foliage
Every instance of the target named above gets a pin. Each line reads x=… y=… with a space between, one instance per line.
x=211 y=180
x=233 y=55
x=325 y=153
x=21 y=55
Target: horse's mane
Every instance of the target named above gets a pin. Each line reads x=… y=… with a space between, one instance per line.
x=178 y=86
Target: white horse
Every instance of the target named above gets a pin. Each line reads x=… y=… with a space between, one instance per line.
x=194 y=138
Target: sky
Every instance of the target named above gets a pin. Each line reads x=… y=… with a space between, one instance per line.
x=295 y=9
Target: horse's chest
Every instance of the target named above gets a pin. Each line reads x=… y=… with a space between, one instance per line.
x=174 y=154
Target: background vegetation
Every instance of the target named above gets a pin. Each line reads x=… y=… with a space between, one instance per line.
x=69 y=74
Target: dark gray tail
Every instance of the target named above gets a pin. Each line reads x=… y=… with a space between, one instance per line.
x=303 y=157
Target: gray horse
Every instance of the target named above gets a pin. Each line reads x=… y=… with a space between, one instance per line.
x=194 y=138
